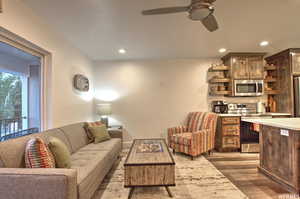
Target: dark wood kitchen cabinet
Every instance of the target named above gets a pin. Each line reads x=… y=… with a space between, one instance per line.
x=228 y=134
x=288 y=64
x=256 y=67
x=245 y=65
x=239 y=68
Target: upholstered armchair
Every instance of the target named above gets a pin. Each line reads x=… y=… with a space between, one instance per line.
x=196 y=137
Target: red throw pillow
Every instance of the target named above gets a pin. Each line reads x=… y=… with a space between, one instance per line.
x=38 y=154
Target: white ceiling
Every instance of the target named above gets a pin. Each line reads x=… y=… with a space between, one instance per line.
x=100 y=27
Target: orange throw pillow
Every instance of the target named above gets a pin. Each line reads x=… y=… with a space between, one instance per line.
x=38 y=155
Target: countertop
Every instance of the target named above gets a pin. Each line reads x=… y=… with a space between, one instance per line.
x=285 y=123
x=254 y=114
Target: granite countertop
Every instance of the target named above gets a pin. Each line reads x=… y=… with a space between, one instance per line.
x=285 y=123
x=253 y=114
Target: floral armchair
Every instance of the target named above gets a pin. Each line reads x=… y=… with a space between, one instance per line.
x=197 y=137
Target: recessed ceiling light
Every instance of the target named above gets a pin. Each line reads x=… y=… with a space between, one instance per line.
x=264 y=43
x=122 y=51
x=222 y=50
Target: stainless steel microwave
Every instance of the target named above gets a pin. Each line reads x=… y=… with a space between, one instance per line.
x=248 y=87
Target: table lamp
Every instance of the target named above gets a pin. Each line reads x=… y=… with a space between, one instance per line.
x=104 y=110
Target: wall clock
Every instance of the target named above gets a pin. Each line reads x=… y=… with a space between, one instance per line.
x=81 y=83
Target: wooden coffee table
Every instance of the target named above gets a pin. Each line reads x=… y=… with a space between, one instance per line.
x=149 y=163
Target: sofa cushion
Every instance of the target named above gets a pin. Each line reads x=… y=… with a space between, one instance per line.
x=112 y=144
x=76 y=135
x=61 y=153
x=38 y=155
x=92 y=166
x=12 y=152
x=100 y=133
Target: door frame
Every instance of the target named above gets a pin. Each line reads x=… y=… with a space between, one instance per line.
x=46 y=65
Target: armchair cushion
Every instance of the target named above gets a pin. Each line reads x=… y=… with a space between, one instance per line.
x=183 y=138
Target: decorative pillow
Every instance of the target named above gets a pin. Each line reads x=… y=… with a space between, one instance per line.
x=38 y=155
x=89 y=134
x=100 y=133
x=60 y=152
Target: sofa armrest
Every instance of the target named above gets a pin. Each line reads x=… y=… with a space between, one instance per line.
x=19 y=183
x=175 y=130
x=116 y=133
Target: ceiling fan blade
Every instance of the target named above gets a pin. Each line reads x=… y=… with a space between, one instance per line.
x=210 y=23
x=210 y=1
x=165 y=10
x=203 y=1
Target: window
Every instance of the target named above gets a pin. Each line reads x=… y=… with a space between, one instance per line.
x=20 y=88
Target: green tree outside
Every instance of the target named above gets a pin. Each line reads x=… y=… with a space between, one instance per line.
x=10 y=96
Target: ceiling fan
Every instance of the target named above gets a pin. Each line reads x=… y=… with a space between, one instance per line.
x=199 y=10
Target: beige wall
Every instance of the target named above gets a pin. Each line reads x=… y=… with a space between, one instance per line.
x=67 y=106
x=151 y=96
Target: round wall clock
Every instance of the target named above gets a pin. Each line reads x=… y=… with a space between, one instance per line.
x=81 y=83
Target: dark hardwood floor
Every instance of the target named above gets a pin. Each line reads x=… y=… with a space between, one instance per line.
x=241 y=170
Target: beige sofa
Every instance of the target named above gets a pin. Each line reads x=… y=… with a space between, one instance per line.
x=90 y=164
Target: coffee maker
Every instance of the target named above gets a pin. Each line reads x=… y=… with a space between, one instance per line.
x=219 y=107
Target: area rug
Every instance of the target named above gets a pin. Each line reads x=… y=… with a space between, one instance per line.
x=197 y=179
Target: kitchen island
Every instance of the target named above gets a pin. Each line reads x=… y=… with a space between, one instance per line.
x=279 y=141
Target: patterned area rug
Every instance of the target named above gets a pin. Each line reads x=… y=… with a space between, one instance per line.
x=194 y=180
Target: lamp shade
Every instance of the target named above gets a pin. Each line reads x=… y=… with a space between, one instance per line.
x=103 y=109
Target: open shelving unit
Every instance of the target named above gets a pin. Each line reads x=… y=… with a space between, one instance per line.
x=219 y=80
x=271 y=85
x=220 y=85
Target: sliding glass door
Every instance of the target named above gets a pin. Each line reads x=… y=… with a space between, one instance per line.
x=20 y=92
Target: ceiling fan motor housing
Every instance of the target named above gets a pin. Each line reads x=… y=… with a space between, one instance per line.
x=200 y=10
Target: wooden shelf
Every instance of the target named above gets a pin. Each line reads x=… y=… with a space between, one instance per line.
x=271 y=92
x=270 y=80
x=220 y=68
x=270 y=67
x=220 y=92
x=219 y=80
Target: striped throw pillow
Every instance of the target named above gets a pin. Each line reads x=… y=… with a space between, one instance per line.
x=38 y=155
x=88 y=132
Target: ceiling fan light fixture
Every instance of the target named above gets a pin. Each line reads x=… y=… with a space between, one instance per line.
x=198 y=14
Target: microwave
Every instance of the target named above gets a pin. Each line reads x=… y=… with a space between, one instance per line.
x=248 y=87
